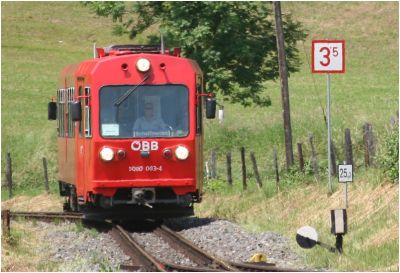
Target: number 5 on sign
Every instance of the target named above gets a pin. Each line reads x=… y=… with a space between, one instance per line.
x=328 y=56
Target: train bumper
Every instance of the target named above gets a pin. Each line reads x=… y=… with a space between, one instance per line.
x=101 y=184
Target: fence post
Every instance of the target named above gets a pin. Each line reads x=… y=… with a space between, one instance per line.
x=242 y=156
x=368 y=144
x=5 y=223
x=277 y=169
x=208 y=175
x=371 y=145
x=314 y=156
x=229 y=168
x=256 y=173
x=301 y=158
x=333 y=159
x=46 y=177
x=9 y=175
x=213 y=164
x=348 y=146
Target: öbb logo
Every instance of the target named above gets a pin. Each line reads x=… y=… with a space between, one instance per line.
x=144 y=146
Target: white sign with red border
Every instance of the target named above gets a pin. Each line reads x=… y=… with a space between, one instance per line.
x=328 y=56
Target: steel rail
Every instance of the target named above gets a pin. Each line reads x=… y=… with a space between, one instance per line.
x=202 y=258
x=183 y=268
x=135 y=251
x=262 y=267
x=47 y=215
x=206 y=262
x=198 y=255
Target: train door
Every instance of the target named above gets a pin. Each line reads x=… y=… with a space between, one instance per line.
x=199 y=133
x=80 y=149
x=83 y=142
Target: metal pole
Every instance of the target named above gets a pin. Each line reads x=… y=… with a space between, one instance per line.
x=328 y=111
x=345 y=191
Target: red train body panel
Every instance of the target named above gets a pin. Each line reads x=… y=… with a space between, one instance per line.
x=103 y=106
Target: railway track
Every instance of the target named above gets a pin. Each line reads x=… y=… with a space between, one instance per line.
x=145 y=261
x=71 y=216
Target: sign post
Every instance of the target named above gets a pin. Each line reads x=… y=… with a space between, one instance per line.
x=345 y=175
x=328 y=56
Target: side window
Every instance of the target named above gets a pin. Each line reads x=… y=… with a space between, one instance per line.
x=199 y=104
x=88 y=117
x=60 y=114
x=80 y=94
x=70 y=98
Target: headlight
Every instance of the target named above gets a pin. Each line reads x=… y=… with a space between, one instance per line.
x=181 y=153
x=107 y=154
x=143 y=65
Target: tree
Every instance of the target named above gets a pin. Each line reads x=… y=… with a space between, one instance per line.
x=233 y=42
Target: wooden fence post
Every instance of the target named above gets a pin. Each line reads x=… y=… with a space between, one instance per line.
x=333 y=159
x=301 y=158
x=276 y=169
x=242 y=156
x=369 y=150
x=46 y=177
x=213 y=164
x=348 y=147
x=229 y=168
x=314 y=156
x=9 y=175
x=5 y=223
x=256 y=173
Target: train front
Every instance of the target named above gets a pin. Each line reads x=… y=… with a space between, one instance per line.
x=146 y=158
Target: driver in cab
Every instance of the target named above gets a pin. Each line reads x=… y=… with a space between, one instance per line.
x=149 y=122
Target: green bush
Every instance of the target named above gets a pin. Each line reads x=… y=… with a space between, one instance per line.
x=388 y=156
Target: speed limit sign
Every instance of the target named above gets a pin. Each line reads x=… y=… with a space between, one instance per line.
x=328 y=56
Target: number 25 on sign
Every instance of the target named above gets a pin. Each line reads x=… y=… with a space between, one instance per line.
x=328 y=56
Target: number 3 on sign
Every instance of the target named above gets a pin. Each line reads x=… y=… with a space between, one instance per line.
x=328 y=56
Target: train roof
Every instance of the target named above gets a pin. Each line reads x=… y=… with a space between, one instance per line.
x=114 y=52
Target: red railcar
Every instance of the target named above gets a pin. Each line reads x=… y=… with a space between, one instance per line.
x=130 y=132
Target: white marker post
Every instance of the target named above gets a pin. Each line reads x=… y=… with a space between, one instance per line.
x=328 y=56
x=345 y=175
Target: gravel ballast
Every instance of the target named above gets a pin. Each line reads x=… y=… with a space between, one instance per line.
x=74 y=248
x=231 y=242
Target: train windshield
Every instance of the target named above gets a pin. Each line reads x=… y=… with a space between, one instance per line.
x=148 y=111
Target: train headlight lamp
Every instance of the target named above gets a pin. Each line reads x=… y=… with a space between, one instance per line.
x=107 y=154
x=143 y=65
x=181 y=153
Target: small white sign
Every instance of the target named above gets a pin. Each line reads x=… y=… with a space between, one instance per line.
x=345 y=173
x=328 y=56
x=110 y=129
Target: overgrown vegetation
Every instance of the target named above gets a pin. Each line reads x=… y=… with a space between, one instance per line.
x=389 y=154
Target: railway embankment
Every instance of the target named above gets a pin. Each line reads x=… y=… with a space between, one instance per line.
x=372 y=241
x=65 y=246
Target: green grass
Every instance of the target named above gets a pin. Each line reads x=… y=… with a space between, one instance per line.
x=38 y=40
x=371 y=243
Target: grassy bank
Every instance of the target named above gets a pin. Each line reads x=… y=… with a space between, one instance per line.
x=373 y=214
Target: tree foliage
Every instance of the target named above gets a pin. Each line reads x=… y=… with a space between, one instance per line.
x=233 y=42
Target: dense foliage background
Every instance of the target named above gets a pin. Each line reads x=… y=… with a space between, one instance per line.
x=233 y=42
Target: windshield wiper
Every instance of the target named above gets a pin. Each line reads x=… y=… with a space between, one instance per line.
x=121 y=99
